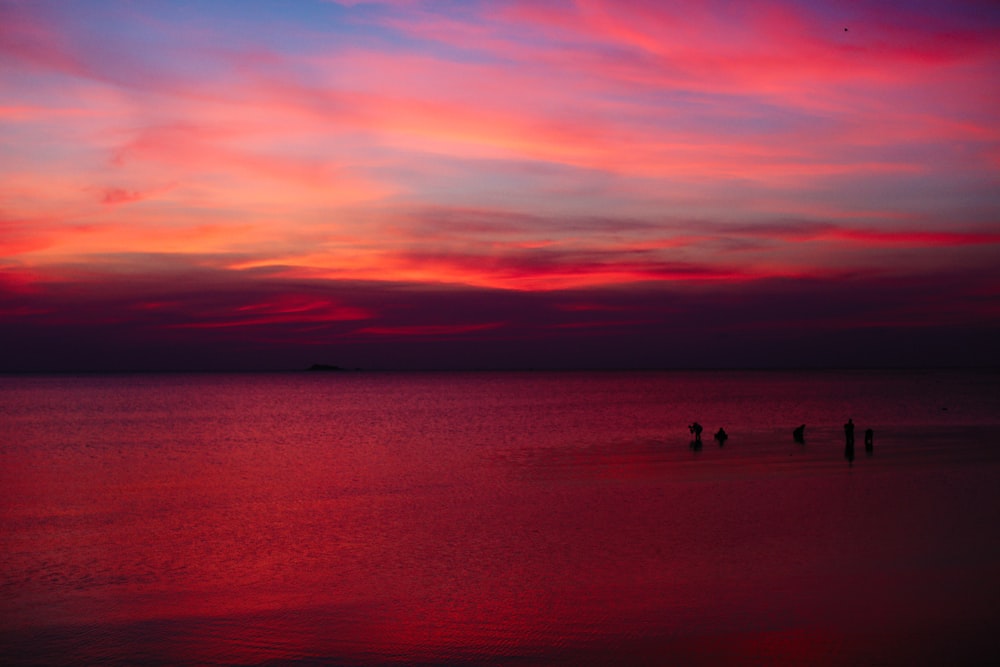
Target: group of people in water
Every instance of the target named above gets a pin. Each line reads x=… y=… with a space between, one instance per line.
x=721 y=436
x=849 y=438
x=798 y=434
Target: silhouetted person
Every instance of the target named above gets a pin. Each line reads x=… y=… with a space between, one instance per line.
x=721 y=436
x=696 y=429
x=799 y=434
x=849 y=438
x=869 y=440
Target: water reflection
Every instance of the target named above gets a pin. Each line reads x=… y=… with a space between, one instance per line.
x=361 y=523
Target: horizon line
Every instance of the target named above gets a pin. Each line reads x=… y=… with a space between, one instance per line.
x=527 y=369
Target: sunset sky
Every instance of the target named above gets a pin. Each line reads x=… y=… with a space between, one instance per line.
x=508 y=184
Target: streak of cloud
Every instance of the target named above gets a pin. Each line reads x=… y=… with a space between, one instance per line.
x=212 y=171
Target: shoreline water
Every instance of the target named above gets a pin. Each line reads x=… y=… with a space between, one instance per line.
x=547 y=518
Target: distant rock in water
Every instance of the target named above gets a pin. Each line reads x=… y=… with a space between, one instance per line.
x=324 y=367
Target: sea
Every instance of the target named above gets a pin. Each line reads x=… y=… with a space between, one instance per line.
x=500 y=518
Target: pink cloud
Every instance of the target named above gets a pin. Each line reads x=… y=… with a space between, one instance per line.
x=114 y=195
x=466 y=154
x=30 y=39
x=769 y=55
x=732 y=46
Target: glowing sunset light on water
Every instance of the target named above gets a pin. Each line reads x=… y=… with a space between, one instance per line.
x=721 y=239
x=429 y=184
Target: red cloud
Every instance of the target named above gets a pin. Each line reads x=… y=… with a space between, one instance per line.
x=808 y=231
x=429 y=329
x=285 y=309
x=914 y=238
x=120 y=196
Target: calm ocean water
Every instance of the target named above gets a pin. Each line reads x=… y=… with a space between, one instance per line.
x=499 y=518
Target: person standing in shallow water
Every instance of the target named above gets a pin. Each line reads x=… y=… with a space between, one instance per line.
x=849 y=437
x=696 y=429
x=869 y=441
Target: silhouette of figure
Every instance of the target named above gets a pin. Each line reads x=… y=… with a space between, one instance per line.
x=799 y=434
x=721 y=436
x=849 y=437
x=869 y=440
x=696 y=429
